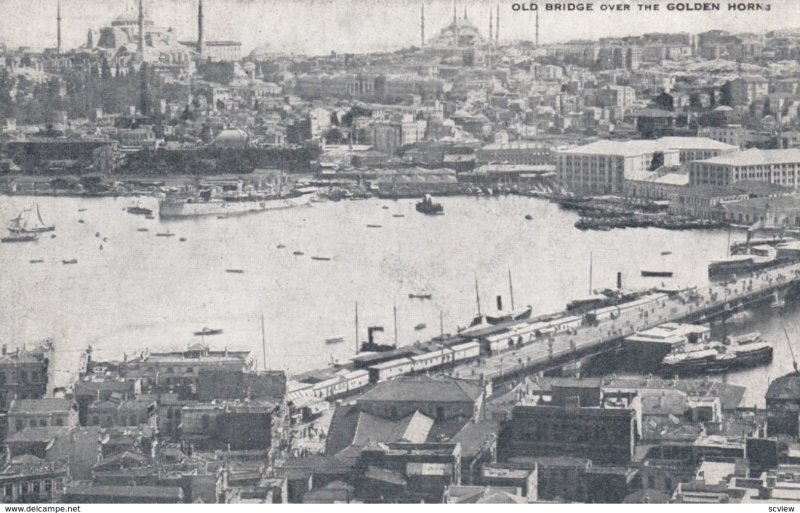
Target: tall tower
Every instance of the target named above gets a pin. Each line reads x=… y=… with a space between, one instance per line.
x=58 y=27
x=201 y=42
x=537 y=29
x=497 y=26
x=454 y=13
x=465 y=9
x=140 y=49
x=490 y=28
x=421 y=26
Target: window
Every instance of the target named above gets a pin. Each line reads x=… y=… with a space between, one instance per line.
x=48 y=486
x=42 y=422
x=59 y=422
x=37 y=487
x=33 y=423
x=20 y=425
x=9 y=490
x=95 y=420
x=23 y=488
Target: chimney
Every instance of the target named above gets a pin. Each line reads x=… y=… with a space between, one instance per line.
x=619 y=280
x=499 y=303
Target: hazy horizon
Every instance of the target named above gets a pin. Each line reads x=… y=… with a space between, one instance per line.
x=317 y=27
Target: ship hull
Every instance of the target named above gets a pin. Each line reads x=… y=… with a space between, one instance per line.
x=715 y=366
x=178 y=209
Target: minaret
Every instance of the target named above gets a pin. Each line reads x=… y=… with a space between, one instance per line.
x=497 y=26
x=537 y=29
x=58 y=23
x=140 y=49
x=490 y=27
x=421 y=26
x=200 y=38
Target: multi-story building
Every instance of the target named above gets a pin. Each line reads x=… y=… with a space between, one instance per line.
x=746 y=90
x=602 y=166
x=528 y=153
x=578 y=423
x=735 y=135
x=781 y=167
x=24 y=413
x=23 y=374
x=29 y=480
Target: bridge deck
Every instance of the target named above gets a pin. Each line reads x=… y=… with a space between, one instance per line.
x=697 y=304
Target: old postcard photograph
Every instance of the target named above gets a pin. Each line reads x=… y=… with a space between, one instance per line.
x=407 y=252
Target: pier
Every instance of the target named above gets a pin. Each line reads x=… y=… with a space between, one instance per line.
x=696 y=305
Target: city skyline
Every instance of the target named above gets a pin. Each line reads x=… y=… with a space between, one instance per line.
x=327 y=27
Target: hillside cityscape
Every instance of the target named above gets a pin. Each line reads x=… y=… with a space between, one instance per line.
x=348 y=186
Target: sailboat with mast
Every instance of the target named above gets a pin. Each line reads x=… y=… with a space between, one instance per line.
x=26 y=222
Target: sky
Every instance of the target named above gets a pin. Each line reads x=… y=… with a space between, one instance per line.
x=322 y=26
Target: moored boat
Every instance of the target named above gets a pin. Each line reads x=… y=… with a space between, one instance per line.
x=20 y=237
x=748 y=350
x=427 y=206
x=657 y=274
x=208 y=331
x=70 y=262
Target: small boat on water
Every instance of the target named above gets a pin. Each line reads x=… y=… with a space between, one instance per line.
x=324 y=259
x=398 y=215
x=334 y=340
x=53 y=236
x=81 y=221
x=165 y=234
x=657 y=274
x=221 y=217
x=70 y=262
x=528 y=217
x=420 y=326
x=420 y=296
x=37 y=261
x=96 y=234
x=298 y=253
x=373 y=226
x=208 y=331
x=234 y=271
x=81 y=210
x=427 y=206
x=142 y=230
x=281 y=246
x=149 y=217
x=20 y=237
x=182 y=239
x=385 y=207
x=105 y=239
x=25 y=223
x=666 y=252
x=139 y=210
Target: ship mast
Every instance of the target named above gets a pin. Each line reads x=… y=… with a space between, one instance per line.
x=357 y=347
x=511 y=289
x=394 y=310
x=590 y=273
x=477 y=295
x=263 y=343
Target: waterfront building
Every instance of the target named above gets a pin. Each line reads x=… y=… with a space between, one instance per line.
x=783 y=406
x=23 y=374
x=780 y=167
x=439 y=398
x=81 y=493
x=228 y=425
x=529 y=153
x=704 y=201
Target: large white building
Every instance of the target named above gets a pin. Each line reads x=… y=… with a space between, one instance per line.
x=781 y=167
x=601 y=167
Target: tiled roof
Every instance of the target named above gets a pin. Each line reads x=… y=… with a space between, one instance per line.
x=424 y=389
x=48 y=405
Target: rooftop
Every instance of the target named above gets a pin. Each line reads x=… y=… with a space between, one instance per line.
x=424 y=389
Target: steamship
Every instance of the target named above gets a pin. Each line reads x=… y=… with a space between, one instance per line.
x=231 y=202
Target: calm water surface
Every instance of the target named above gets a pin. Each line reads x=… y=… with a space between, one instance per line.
x=142 y=291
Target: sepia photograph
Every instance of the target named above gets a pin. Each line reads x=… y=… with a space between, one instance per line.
x=332 y=252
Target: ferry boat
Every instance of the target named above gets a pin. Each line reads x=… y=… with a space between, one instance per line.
x=208 y=203
x=748 y=350
x=503 y=316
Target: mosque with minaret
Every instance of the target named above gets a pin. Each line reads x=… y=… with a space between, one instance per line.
x=133 y=38
x=460 y=41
